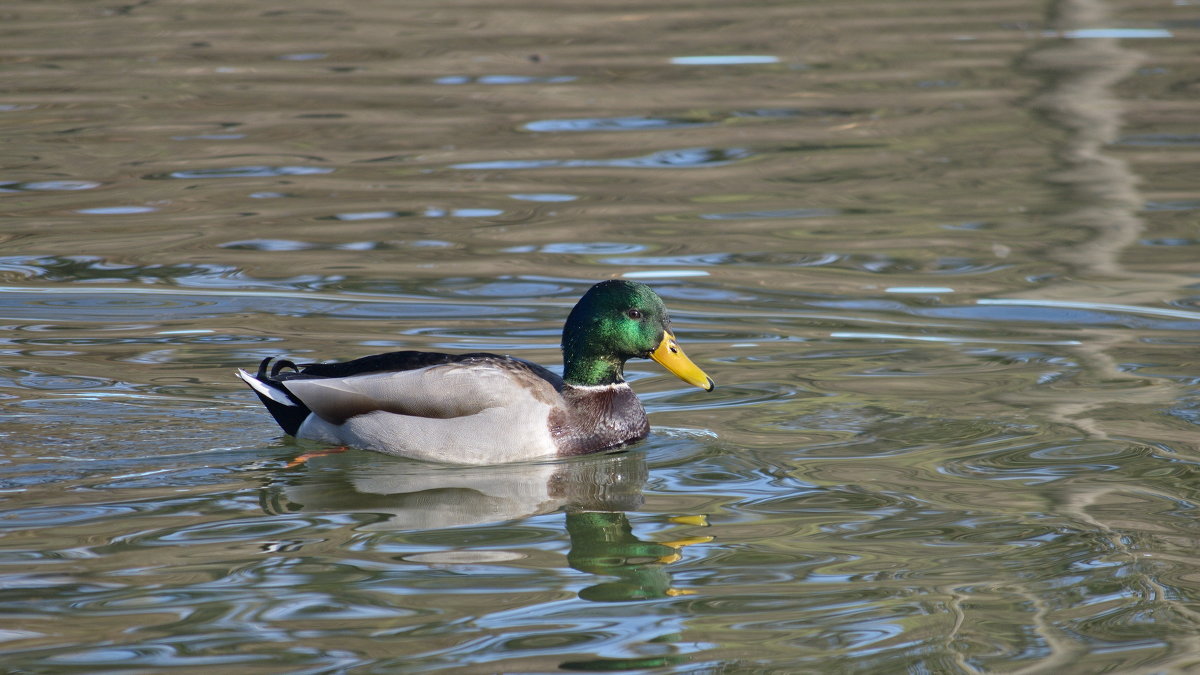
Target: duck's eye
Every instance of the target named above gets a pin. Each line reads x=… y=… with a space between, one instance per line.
x=634 y=314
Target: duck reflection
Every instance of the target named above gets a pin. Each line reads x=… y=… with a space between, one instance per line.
x=593 y=492
x=604 y=543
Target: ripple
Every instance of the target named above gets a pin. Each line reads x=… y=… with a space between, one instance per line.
x=919 y=289
x=257 y=171
x=699 y=259
x=462 y=213
x=699 y=293
x=1116 y=33
x=51 y=186
x=782 y=213
x=97 y=304
x=369 y=215
x=1100 y=312
x=728 y=396
x=685 y=158
x=642 y=123
x=544 y=197
x=592 y=248
x=750 y=258
x=613 y=124
x=1032 y=311
x=117 y=210
x=1160 y=140
x=209 y=137
x=267 y=245
x=464 y=557
x=664 y=274
x=772 y=113
x=724 y=60
x=508 y=289
x=950 y=339
x=55 y=516
x=1044 y=462
x=241 y=530
x=310 y=607
x=197 y=275
x=1177 y=205
x=834 y=500
x=279 y=245
x=504 y=79
x=63 y=382
x=786 y=259
x=1169 y=241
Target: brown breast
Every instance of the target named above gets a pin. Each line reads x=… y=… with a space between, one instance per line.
x=597 y=418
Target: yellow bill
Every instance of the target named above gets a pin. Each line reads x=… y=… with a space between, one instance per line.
x=671 y=357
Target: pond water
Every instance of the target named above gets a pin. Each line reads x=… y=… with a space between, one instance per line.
x=940 y=259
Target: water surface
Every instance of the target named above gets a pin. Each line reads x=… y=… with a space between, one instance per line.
x=942 y=265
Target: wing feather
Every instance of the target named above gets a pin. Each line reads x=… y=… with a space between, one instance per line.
x=441 y=391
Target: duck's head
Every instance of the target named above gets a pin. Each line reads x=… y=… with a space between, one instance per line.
x=615 y=321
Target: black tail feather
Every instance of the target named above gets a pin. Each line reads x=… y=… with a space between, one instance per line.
x=289 y=417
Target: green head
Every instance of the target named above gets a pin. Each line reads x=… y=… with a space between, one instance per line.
x=613 y=322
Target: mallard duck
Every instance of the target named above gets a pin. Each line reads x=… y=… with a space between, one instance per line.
x=486 y=408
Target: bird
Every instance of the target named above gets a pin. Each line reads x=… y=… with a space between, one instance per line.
x=481 y=408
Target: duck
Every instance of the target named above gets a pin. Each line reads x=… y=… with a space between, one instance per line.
x=482 y=408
